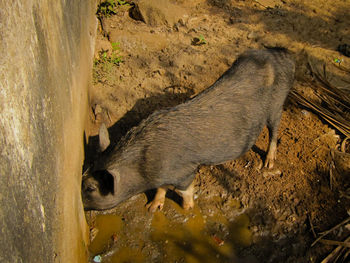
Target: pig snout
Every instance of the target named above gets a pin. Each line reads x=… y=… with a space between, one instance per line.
x=98 y=191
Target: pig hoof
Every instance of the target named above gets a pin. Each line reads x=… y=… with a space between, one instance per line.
x=154 y=205
x=269 y=163
x=260 y=165
x=188 y=205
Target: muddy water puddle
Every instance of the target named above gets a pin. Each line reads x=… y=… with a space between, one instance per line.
x=106 y=227
x=172 y=235
x=105 y=235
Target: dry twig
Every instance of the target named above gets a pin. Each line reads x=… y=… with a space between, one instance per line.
x=332 y=257
x=335 y=243
x=323 y=234
x=343 y=144
x=312 y=226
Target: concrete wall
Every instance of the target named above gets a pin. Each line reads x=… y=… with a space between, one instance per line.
x=45 y=68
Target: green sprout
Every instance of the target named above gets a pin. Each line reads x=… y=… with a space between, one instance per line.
x=115 y=57
x=198 y=41
x=202 y=40
x=112 y=57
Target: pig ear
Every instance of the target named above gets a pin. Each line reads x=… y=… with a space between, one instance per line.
x=116 y=177
x=103 y=137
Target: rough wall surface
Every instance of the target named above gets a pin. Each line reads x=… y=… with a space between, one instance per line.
x=45 y=63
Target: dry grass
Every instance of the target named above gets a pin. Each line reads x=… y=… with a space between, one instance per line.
x=332 y=105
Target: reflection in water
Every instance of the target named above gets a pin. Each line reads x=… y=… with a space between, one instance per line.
x=190 y=240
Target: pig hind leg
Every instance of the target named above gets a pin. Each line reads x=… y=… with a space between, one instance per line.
x=272 y=126
x=187 y=196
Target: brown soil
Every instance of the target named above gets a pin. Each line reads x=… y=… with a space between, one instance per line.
x=242 y=214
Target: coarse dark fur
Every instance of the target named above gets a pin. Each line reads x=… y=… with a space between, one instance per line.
x=219 y=124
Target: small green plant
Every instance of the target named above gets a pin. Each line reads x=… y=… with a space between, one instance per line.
x=198 y=41
x=121 y=2
x=109 y=7
x=113 y=57
x=106 y=64
x=202 y=40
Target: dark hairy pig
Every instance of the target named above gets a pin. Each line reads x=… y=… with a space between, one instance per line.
x=219 y=124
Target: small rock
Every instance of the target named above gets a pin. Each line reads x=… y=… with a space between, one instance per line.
x=273 y=172
x=115 y=238
x=158 y=12
x=253 y=35
x=182 y=22
x=97 y=259
x=254 y=229
x=93 y=233
x=305 y=112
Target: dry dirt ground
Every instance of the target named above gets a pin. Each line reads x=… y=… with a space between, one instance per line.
x=241 y=214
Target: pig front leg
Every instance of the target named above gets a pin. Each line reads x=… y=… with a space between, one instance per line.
x=158 y=201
